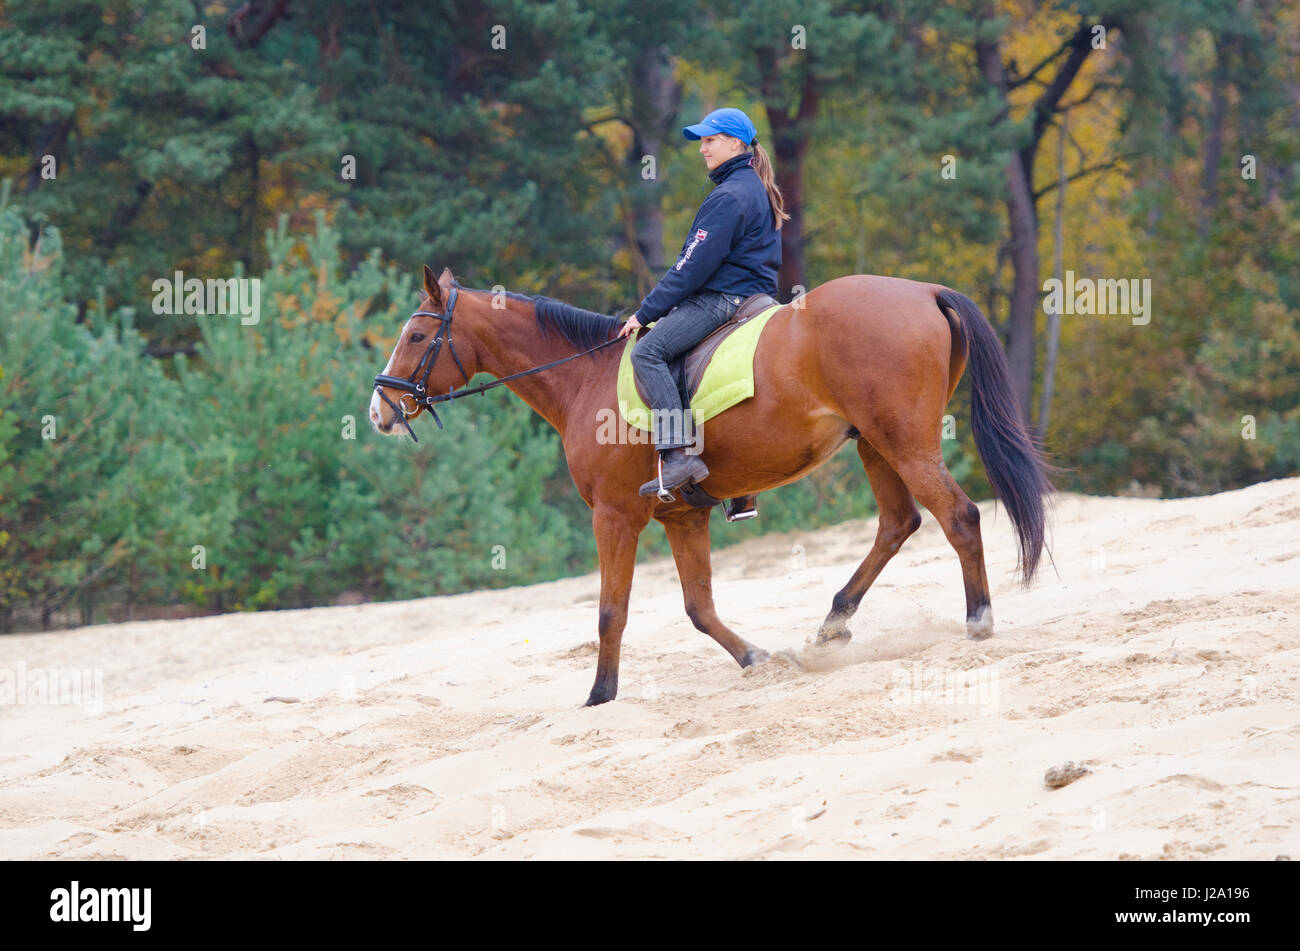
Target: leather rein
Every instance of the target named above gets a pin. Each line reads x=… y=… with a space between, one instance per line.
x=415 y=386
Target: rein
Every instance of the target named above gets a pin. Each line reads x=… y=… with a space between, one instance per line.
x=422 y=399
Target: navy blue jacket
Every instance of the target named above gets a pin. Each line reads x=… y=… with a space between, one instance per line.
x=733 y=246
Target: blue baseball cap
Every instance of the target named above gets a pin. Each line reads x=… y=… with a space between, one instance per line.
x=724 y=121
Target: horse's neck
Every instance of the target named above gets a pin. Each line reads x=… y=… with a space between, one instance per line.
x=511 y=342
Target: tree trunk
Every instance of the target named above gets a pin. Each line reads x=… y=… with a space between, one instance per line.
x=791 y=133
x=249 y=24
x=655 y=101
x=123 y=215
x=52 y=139
x=789 y=153
x=1022 y=249
x=1021 y=318
x=1054 y=317
x=1213 y=150
x=1022 y=215
x=252 y=201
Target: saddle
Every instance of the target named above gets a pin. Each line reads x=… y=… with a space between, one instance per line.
x=688 y=369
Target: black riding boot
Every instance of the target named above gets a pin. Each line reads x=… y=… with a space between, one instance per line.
x=676 y=468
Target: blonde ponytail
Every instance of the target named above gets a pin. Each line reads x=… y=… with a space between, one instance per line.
x=763 y=166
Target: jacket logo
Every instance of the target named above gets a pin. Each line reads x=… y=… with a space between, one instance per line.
x=700 y=235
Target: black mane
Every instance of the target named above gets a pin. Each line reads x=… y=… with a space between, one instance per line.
x=582 y=328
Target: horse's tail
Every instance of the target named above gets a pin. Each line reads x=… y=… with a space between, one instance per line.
x=1014 y=463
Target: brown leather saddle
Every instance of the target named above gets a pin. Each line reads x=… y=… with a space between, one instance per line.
x=688 y=370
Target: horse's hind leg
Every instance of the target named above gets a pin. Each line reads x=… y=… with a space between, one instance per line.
x=688 y=534
x=934 y=487
x=899 y=518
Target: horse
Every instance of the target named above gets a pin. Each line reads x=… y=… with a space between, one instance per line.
x=865 y=358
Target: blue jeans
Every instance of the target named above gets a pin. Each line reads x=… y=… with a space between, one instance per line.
x=668 y=338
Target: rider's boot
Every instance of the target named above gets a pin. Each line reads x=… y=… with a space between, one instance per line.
x=676 y=468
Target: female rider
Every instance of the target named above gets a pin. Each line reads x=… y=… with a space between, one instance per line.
x=731 y=252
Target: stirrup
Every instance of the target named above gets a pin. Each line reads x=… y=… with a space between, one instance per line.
x=736 y=514
x=665 y=495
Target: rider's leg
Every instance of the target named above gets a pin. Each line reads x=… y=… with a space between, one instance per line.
x=672 y=335
x=668 y=338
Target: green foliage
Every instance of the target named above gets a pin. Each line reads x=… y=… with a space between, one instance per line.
x=513 y=184
x=151 y=136
x=521 y=166
x=84 y=489
x=248 y=478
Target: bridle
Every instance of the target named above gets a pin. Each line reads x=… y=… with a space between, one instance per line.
x=415 y=386
x=416 y=390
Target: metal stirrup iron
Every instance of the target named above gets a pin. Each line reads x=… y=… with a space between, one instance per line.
x=665 y=495
x=739 y=516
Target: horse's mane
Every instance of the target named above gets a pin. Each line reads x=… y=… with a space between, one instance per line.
x=582 y=328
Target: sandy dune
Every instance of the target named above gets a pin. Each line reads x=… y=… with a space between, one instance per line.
x=1161 y=651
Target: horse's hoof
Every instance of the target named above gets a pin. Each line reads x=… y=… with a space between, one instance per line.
x=755 y=655
x=980 y=627
x=828 y=636
x=597 y=698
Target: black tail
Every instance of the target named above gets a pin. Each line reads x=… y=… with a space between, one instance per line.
x=1015 y=465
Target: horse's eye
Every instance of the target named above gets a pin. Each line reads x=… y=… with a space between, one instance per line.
x=416 y=338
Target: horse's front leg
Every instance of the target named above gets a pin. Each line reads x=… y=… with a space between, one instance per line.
x=616 y=539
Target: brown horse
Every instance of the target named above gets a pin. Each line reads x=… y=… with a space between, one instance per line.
x=869 y=359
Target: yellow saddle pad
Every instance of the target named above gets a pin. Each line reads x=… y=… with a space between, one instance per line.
x=728 y=379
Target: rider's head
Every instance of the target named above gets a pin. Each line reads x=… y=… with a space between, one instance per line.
x=723 y=134
x=726 y=133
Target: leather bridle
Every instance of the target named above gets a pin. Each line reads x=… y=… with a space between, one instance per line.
x=415 y=387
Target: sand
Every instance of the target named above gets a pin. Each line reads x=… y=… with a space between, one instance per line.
x=1159 y=653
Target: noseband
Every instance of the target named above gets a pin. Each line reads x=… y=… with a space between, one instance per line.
x=414 y=386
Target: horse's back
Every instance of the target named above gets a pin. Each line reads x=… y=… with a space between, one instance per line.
x=886 y=334
x=889 y=312
x=876 y=292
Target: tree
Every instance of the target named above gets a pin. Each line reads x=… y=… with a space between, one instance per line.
x=153 y=119
x=797 y=56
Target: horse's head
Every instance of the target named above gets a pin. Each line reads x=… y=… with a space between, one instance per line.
x=424 y=362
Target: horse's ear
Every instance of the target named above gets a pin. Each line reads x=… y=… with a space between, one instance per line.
x=432 y=288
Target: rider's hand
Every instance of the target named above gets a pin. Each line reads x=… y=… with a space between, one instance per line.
x=631 y=325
